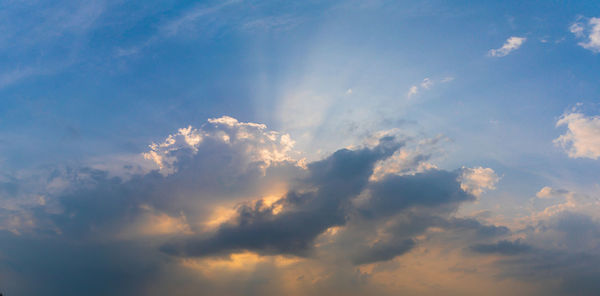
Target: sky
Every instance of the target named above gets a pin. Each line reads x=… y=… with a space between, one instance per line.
x=299 y=147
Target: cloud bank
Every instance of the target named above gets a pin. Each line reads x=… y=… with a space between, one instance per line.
x=232 y=209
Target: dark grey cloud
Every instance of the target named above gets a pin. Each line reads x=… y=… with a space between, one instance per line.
x=383 y=251
x=503 y=247
x=561 y=252
x=82 y=236
x=331 y=184
x=402 y=207
x=432 y=189
x=398 y=233
x=79 y=240
x=406 y=204
x=481 y=230
x=561 y=272
x=57 y=266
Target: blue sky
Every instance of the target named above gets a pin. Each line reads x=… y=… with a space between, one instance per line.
x=499 y=97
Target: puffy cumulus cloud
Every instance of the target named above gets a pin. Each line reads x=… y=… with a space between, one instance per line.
x=477 y=180
x=587 y=29
x=261 y=145
x=234 y=213
x=582 y=138
x=512 y=43
x=88 y=221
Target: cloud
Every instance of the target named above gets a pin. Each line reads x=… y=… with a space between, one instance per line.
x=427 y=83
x=503 y=247
x=512 y=43
x=14 y=76
x=262 y=146
x=411 y=158
x=208 y=19
x=234 y=212
x=556 y=246
x=190 y=17
x=305 y=213
x=549 y=192
x=384 y=251
x=582 y=138
x=338 y=193
x=577 y=29
x=552 y=202
x=56 y=28
x=589 y=32
x=477 y=180
x=272 y=23
x=413 y=90
x=560 y=252
x=447 y=79
x=395 y=193
x=232 y=218
x=105 y=232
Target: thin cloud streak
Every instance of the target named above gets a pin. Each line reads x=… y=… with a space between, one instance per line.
x=512 y=43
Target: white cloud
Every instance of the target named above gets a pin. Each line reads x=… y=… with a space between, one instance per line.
x=582 y=138
x=447 y=79
x=549 y=192
x=413 y=90
x=260 y=144
x=513 y=43
x=477 y=180
x=269 y=23
x=191 y=17
x=590 y=32
x=414 y=157
x=577 y=29
x=11 y=77
x=553 y=201
x=425 y=84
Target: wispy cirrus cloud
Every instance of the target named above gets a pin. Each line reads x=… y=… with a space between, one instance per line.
x=51 y=28
x=207 y=19
x=426 y=84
